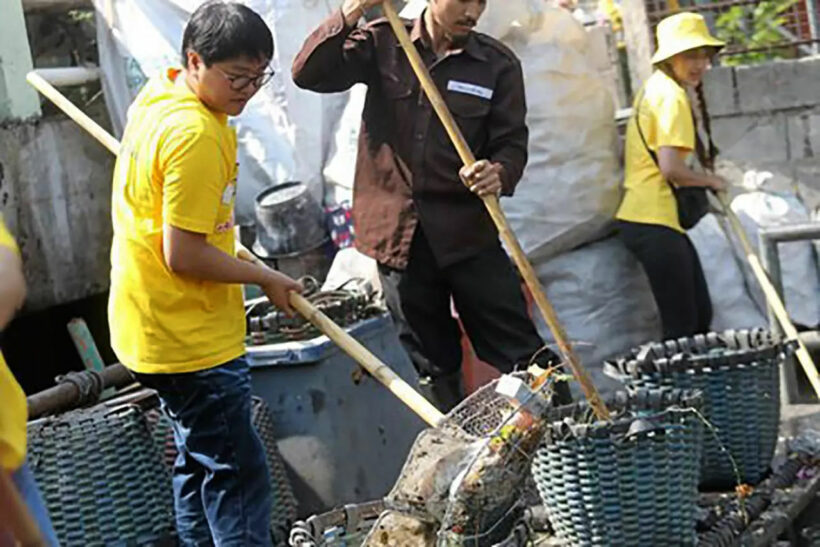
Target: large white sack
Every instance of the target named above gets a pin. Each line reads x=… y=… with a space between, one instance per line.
x=571 y=186
x=603 y=299
x=284 y=134
x=732 y=303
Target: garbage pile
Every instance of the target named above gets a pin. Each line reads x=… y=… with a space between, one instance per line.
x=354 y=301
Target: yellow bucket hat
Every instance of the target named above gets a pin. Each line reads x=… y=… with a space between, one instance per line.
x=682 y=32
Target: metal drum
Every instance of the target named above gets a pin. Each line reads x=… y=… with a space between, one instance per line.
x=288 y=221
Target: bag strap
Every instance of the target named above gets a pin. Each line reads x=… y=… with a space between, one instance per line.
x=651 y=152
x=640 y=131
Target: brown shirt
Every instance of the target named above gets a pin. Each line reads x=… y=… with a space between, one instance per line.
x=407 y=168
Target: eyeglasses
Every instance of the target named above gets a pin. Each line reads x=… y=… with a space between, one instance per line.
x=238 y=83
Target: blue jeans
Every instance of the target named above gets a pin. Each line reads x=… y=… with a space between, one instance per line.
x=27 y=487
x=222 y=492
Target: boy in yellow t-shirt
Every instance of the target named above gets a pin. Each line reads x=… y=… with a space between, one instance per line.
x=13 y=413
x=175 y=309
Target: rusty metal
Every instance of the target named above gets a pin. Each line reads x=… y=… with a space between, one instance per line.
x=68 y=395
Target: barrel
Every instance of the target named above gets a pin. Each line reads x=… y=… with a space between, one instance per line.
x=342 y=435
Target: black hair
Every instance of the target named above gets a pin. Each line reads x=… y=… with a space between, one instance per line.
x=706 y=153
x=219 y=31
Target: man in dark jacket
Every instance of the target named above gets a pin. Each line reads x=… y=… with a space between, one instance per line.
x=430 y=234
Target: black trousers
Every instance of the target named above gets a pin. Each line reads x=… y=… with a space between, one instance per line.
x=675 y=275
x=488 y=297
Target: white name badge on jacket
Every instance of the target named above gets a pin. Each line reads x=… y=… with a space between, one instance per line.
x=470 y=89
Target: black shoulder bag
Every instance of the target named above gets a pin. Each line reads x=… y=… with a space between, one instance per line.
x=692 y=201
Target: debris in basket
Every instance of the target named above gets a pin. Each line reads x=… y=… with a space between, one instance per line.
x=465 y=477
x=394 y=529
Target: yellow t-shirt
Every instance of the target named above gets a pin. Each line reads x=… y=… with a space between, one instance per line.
x=666 y=120
x=13 y=411
x=177 y=165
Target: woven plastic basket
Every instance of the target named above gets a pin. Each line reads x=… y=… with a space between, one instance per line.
x=630 y=481
x=737 y=372
x=102 y=478
x=349 y=526
x=283 y=511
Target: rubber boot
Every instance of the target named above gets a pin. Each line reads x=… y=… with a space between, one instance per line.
x=445 y=392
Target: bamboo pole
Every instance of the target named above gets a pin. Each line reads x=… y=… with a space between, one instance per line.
x=44 y=87
x=401 y=389
x=493 y=207
x=772 y=297
x=17 y=519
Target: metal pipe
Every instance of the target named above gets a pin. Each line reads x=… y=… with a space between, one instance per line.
x=791 y=232
x=71 y=110
x=768 y=240
x=70 y=75
x=66 y=395
x=771 y=263
x=812 y=340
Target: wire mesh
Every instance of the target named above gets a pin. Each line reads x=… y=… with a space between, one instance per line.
x=466 y=477
x=754 y=30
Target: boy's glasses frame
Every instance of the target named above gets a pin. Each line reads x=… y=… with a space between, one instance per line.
x=238 y=83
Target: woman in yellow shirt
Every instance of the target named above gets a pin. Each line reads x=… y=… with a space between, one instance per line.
x=660 y=138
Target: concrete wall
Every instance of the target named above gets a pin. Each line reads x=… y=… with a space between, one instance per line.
x=55 y=191
x=767 y=117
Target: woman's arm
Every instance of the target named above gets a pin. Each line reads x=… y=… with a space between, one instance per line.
x=673 y=167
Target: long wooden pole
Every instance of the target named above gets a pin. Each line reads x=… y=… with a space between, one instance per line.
x=347 y=343
x=96 y=131
x=772 y=297
x=384 y=374
x=493 y=207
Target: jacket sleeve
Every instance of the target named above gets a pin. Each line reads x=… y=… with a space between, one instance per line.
x=508 y=134
x=334 y=57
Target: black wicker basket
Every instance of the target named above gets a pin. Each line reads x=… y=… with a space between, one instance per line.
x=102 y=477
x=629 y=481
x=737 y=372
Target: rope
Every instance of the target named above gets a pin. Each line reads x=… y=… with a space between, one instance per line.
x=89 y=384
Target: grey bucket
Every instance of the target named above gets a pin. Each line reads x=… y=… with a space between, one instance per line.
x=288 y=221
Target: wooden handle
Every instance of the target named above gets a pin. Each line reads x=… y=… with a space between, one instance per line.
x=500 y=220
x=17 y=519
x=772 y=297
x=401 y=389
x=96 y=131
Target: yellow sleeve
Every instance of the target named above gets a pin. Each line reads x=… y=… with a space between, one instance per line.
x=6 y=240
x=194 y=179
x=673 y=122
